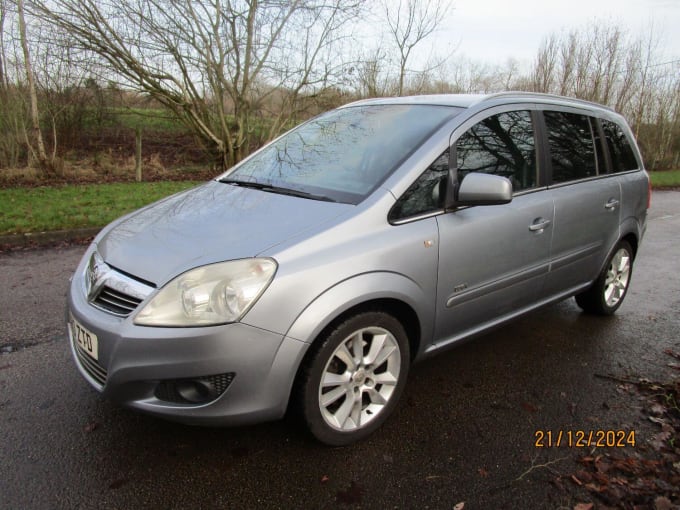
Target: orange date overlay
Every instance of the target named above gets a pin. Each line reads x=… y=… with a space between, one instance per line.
x=584 y=438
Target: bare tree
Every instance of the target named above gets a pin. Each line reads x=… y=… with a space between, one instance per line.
x=61 y=78
x=601 y=63
x=409 y=23
x=372 y=78
x=586 y=64
x=10 y=141
x=36 y=132
x=212 y=63
x=3 y=73
x=545 y=67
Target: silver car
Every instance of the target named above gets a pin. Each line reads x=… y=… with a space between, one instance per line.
x=312 y=274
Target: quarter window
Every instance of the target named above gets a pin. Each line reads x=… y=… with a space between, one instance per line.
x=503 y=145
x=426 y=194
x=623 y=157
x=572 y=151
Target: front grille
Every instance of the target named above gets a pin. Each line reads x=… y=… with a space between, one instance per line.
x=116 y=302
x=112 y=290
x=90 y=365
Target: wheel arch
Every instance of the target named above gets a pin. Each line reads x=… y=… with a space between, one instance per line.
x=397 y=310
x=394 y=307
x=392 y=293
x=633 y=240
x=631 y=232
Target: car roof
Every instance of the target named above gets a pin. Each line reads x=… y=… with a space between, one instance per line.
x=470 y=100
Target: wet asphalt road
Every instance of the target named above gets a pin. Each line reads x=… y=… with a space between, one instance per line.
x=465 y=430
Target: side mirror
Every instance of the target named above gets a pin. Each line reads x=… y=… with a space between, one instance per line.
x=484 y=189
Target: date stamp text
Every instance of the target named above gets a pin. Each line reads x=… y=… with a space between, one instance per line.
x=584 y=438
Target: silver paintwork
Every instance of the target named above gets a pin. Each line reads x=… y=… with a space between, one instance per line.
x=451 y=274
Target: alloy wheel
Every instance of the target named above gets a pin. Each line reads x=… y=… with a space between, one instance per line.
x=618 y=276
x=359 y=378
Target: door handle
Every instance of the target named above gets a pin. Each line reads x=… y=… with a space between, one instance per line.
x=539 y=225
x=611 y=204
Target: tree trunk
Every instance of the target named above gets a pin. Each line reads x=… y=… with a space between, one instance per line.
x=3 y=79
x=45 y=163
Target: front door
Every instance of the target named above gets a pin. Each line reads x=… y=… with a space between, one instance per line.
x=493 y=260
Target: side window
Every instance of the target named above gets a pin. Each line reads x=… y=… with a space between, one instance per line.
x=572 y=151
x=426 y=194
x=502 y=144
x=623 y=157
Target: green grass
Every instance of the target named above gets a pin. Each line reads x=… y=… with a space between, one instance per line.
x=24 y=210
x=160 y=120
x=149 y=119
x=665 y=178
x=46 y=208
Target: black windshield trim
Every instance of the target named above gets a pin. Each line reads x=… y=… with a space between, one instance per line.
x=268 y=188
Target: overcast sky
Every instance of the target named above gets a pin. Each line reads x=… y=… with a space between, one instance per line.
x=494 y=30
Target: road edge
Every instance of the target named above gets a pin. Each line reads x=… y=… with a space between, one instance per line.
x=40 y=239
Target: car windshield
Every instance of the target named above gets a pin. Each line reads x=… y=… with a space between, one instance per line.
x=343 y=155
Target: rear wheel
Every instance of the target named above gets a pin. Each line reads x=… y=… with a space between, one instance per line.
x=352 y=381
x=608 y=291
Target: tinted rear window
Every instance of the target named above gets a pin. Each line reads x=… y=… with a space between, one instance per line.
x=572 y=151
x=623 y=157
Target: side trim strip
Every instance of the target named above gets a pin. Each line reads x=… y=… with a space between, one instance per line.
x=570 y=258
x=483 y=328
x=487 y=288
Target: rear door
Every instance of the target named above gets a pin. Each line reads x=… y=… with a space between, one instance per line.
x=587 y=201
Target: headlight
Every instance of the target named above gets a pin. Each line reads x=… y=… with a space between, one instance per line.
x=209 y=295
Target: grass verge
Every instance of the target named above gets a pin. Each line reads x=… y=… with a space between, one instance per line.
x=48 y=208
x=24 y=210
x=665 y=178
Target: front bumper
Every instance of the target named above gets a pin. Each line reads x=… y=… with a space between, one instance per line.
x=135 y=360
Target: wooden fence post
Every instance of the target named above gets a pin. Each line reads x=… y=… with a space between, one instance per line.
x=138 y=154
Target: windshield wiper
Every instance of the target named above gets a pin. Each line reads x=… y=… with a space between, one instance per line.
x=277 y=189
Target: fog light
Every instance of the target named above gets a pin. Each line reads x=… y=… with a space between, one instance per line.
x=199 y=390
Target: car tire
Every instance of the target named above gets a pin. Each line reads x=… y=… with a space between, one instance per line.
x=607 y=293
x=353 y=378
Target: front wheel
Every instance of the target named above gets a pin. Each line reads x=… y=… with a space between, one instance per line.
x=352 y=381
x=608 y=291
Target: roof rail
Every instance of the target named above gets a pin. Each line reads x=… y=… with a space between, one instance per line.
x=538 y=95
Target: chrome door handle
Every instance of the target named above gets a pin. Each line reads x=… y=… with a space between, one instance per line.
x=611 y=204
x=539 y=225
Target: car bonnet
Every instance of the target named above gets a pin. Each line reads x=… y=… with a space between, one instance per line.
x=211 y=223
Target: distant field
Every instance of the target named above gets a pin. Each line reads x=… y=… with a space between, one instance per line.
x=665 y=179
x=149 y=119
x=159 y=120
x=40 y=209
